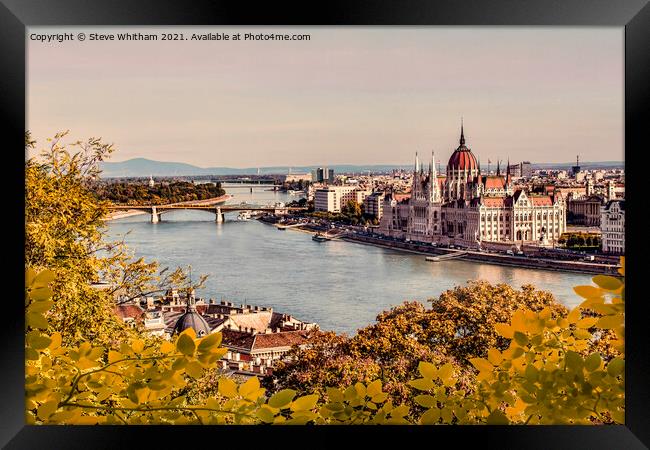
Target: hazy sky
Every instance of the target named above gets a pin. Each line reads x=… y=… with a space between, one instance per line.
x=350 y=95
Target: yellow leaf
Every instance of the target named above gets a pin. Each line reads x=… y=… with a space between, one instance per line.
x=374 y=388
x=227 y=387
x=504 y=329
x=446 y=372
x=137 y=345
x=194 y=369
x=494 y=356
x=114 y=356
x=587 y=322
x=304 y=403
x=482 y=364
x=574 y=315
x=249 y=387
x=609 y=322
x=428 y=370
x=422 y=384
x=167 y=347
x=587 y=291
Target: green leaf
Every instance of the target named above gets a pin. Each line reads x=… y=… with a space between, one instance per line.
x=30 y=275
x=46 y=409
x=208 y=342
x=497 y=418
x=40 y=307
x=592 y=362
x=265 y=414
x=573 y=360
x=282 y=398
x=520 y=338
x=616 y=367
x=304 y=403
x=185 y=345
x=607 y=282
x=430 y=417
x=40 y=294
x=428 y=401
x=44 y=278
x=194 y=369
x=36 y=320
x=334 y=395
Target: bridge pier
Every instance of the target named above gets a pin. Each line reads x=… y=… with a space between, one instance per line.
x=155 y=215
x=220 y=217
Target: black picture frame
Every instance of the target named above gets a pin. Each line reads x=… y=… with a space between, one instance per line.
x=633 y=15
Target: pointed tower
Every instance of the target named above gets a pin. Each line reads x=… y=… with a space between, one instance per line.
x=434 y=195
x=498 y=167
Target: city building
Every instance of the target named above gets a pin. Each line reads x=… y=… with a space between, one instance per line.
x=322 y=175
x=295 y=177
x=373 y=204
x=334 y=198
x=585 y=210
x=612 y=226
x=466 y=208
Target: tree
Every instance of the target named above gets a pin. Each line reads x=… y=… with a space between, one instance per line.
x=460 y=325
x=64 y=227
x=540 y=378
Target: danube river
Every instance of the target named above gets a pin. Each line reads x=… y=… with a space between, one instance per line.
x=340 y=285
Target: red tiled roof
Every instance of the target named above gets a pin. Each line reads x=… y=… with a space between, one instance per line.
x=129 y=311
x=401 y=197
x=462 y=159
x=282 y=339
x=231 y=338
x=494 y=182
x=541 y=201
x=494 y=201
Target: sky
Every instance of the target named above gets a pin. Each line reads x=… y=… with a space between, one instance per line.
x=349 y=95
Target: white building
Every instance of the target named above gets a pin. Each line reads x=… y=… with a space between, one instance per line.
x=333 y=198
x=612 y=226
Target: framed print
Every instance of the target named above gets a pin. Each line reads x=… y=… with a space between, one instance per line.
x=246 y=217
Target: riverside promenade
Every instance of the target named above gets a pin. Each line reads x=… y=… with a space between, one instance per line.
x=530 y=262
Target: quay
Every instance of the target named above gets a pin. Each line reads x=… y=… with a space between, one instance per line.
x=443 y=254
x=489 y=258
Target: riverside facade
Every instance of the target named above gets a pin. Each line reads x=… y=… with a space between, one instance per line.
x=467 y=208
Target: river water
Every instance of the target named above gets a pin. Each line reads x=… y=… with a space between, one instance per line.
x=340 y=285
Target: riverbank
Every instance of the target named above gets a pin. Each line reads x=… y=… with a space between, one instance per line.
x=468 y=255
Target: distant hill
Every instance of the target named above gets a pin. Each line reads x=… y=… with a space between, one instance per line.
x=142 y=167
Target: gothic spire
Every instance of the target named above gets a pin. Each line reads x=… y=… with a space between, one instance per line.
x=498 y=167
x=462 y=133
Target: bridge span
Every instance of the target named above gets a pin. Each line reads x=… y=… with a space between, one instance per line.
x=156 y=211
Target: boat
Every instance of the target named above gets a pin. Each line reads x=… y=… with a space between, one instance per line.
x=244 y=215
x=320 y=238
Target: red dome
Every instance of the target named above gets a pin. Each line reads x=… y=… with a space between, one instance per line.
x=462 y=159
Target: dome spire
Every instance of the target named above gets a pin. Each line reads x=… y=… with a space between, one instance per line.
x=462 y=133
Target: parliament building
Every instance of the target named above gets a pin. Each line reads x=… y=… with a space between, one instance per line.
x=464 y=207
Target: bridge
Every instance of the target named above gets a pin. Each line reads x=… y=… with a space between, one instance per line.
x=219 y=210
